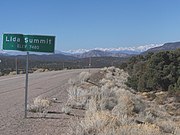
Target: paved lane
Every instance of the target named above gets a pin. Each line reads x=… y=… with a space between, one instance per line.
x=49 y=84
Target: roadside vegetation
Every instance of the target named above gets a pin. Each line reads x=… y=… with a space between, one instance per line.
x=141 y=98
x=40 y=104
x=154 y=71
x=113 y=108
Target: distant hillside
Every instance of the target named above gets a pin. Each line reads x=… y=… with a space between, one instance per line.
x=165 y=47
x=51 y=57
x=99 y=53
x=55 y=62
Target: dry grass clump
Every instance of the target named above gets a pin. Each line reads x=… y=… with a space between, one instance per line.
x=104 y=123
x=114 y=109
x=84 y=76
x=177 y=131
x=21 y=72
x=66 y=110
x=80 y=91
x=39 y=70
x=12 y=73
x=39 y=104
x=80 y=79
x=78 y=97
x=46 y=70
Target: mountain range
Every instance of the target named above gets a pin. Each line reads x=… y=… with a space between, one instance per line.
x=127 y=50
x=101 y=52
x=165 y=47
x=124 y=52
x=110 y=52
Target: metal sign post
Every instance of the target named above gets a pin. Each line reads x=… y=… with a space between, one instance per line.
x=33 y=43
x=16 y=65
x=26 y=84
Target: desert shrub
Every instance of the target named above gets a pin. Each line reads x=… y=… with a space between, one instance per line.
x=78 y=97
x=71 y=82
x=177 y=131
x=39 y=70
x=46 y=70
x=80 y=91
x=39 y=104
x=66 y=109
x=112 y=108
x=125 y=104
x=12 y=73
x=104 y=123
x=108 y=103
x=161 y=97
x=21 y=72
x=141 y=129
x=84 y=76
x=94 y=122
x=167 y=126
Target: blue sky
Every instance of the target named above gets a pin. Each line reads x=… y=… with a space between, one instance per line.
x=94 y=23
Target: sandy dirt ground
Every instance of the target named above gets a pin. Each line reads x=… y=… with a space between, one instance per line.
x=47 y=84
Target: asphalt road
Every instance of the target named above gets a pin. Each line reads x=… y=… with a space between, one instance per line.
x=49 y=84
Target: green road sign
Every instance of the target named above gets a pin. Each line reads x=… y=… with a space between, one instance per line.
x=34 y=43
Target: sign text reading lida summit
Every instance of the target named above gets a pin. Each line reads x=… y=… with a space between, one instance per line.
x=35 y=43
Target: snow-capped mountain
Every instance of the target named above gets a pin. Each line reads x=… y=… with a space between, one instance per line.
x=99 y=53
x=128 y=50
x=95 y=52
x=110 y=52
